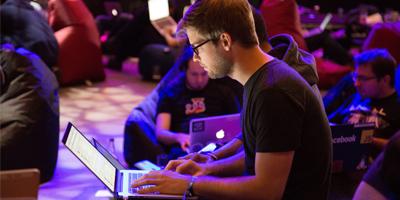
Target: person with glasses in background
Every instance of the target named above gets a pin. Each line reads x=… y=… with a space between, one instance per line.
x=191 y=95
x=286 y=135
x=376 y=100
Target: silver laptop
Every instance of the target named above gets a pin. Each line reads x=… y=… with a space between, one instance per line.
x=325 y=22
x=218 y=129
x=159 y=15
x=118 y=181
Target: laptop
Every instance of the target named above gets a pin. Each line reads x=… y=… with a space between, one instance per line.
x=325 y=21
x=218 y=129
x=112 y=8
x=351 y=146
x=117 y=180
x=159 y=15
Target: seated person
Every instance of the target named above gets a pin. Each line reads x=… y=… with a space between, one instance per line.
x=383 y=177
x=24 y=27
x=130 y=39
x=376 y=100
x=191 y=96
x=29 y=107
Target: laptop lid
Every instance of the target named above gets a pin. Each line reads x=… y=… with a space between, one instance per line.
x=159 y=15
x=85 y=151
x=117 y=181
x=158 y=9
x=325 y=22
x=217 y=129
x=108 y=155
x=350 y=146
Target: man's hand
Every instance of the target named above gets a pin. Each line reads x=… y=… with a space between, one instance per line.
x=187 y=167
x=197 y=157
x=164 y=182
x=184 y=140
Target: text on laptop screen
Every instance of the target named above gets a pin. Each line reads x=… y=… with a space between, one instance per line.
x=91 y=157
x=158 y=9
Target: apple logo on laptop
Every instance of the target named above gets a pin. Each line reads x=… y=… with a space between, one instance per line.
x=220 y=134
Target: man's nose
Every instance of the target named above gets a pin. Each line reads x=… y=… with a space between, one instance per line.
x=196 y=58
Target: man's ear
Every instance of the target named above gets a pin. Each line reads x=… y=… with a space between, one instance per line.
x=226 y=41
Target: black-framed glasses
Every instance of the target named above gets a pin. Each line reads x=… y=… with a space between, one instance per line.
x=357 y=77
x=195 y=48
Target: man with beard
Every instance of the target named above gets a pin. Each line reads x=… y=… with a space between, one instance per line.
x=286 y=134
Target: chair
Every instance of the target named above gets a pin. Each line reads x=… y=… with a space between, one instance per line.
x=19 y=184
x=79 y=42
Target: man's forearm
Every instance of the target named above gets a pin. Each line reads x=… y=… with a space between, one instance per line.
x=166 y=137
x=229 y=149
x=232 y=166
x=245 y=187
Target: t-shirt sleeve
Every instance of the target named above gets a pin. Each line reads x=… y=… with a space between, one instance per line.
x=164 y=104
x=278 y=121
x=374 y=176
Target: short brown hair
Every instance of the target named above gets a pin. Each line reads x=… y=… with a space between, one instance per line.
x=381 y=62
x=213 y=17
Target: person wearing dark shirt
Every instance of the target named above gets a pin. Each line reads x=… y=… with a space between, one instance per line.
x=376 y=100
x=191 y=96
x=286 y=134
x=24 y=27
x=383 y=178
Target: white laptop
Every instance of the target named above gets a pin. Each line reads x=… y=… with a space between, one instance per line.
x=218 y=129
x=116 y=180
x=159 y=15
x=325 y=22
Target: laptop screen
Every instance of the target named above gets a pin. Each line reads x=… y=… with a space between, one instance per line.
x=158 y=9
x=325 y=22
x=90 y=156
x=108 y=155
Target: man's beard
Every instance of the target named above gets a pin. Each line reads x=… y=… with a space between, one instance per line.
x=222 y=69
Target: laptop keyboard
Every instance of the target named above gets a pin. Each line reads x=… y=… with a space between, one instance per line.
x=134 y=176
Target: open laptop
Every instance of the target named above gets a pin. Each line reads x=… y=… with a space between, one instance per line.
x=159 y=15
x=351 y=146
x=217 y=129
x=325 y=22
x=117 y=180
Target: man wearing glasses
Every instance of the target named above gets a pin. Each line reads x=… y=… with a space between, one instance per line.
x=286 y=135
x=376 y=100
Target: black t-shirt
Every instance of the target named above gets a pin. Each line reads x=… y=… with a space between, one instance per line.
x=385 y=111
x=281 y=113
x=184 y=104
x=384 y=174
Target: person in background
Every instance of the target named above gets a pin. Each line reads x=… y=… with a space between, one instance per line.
x=286 y=133
x=376 y=100
x=191 y=96
x=383 y=178
x=24 y=27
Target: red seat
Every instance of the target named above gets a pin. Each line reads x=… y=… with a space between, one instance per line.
x=78 y=40
x=385 y=35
